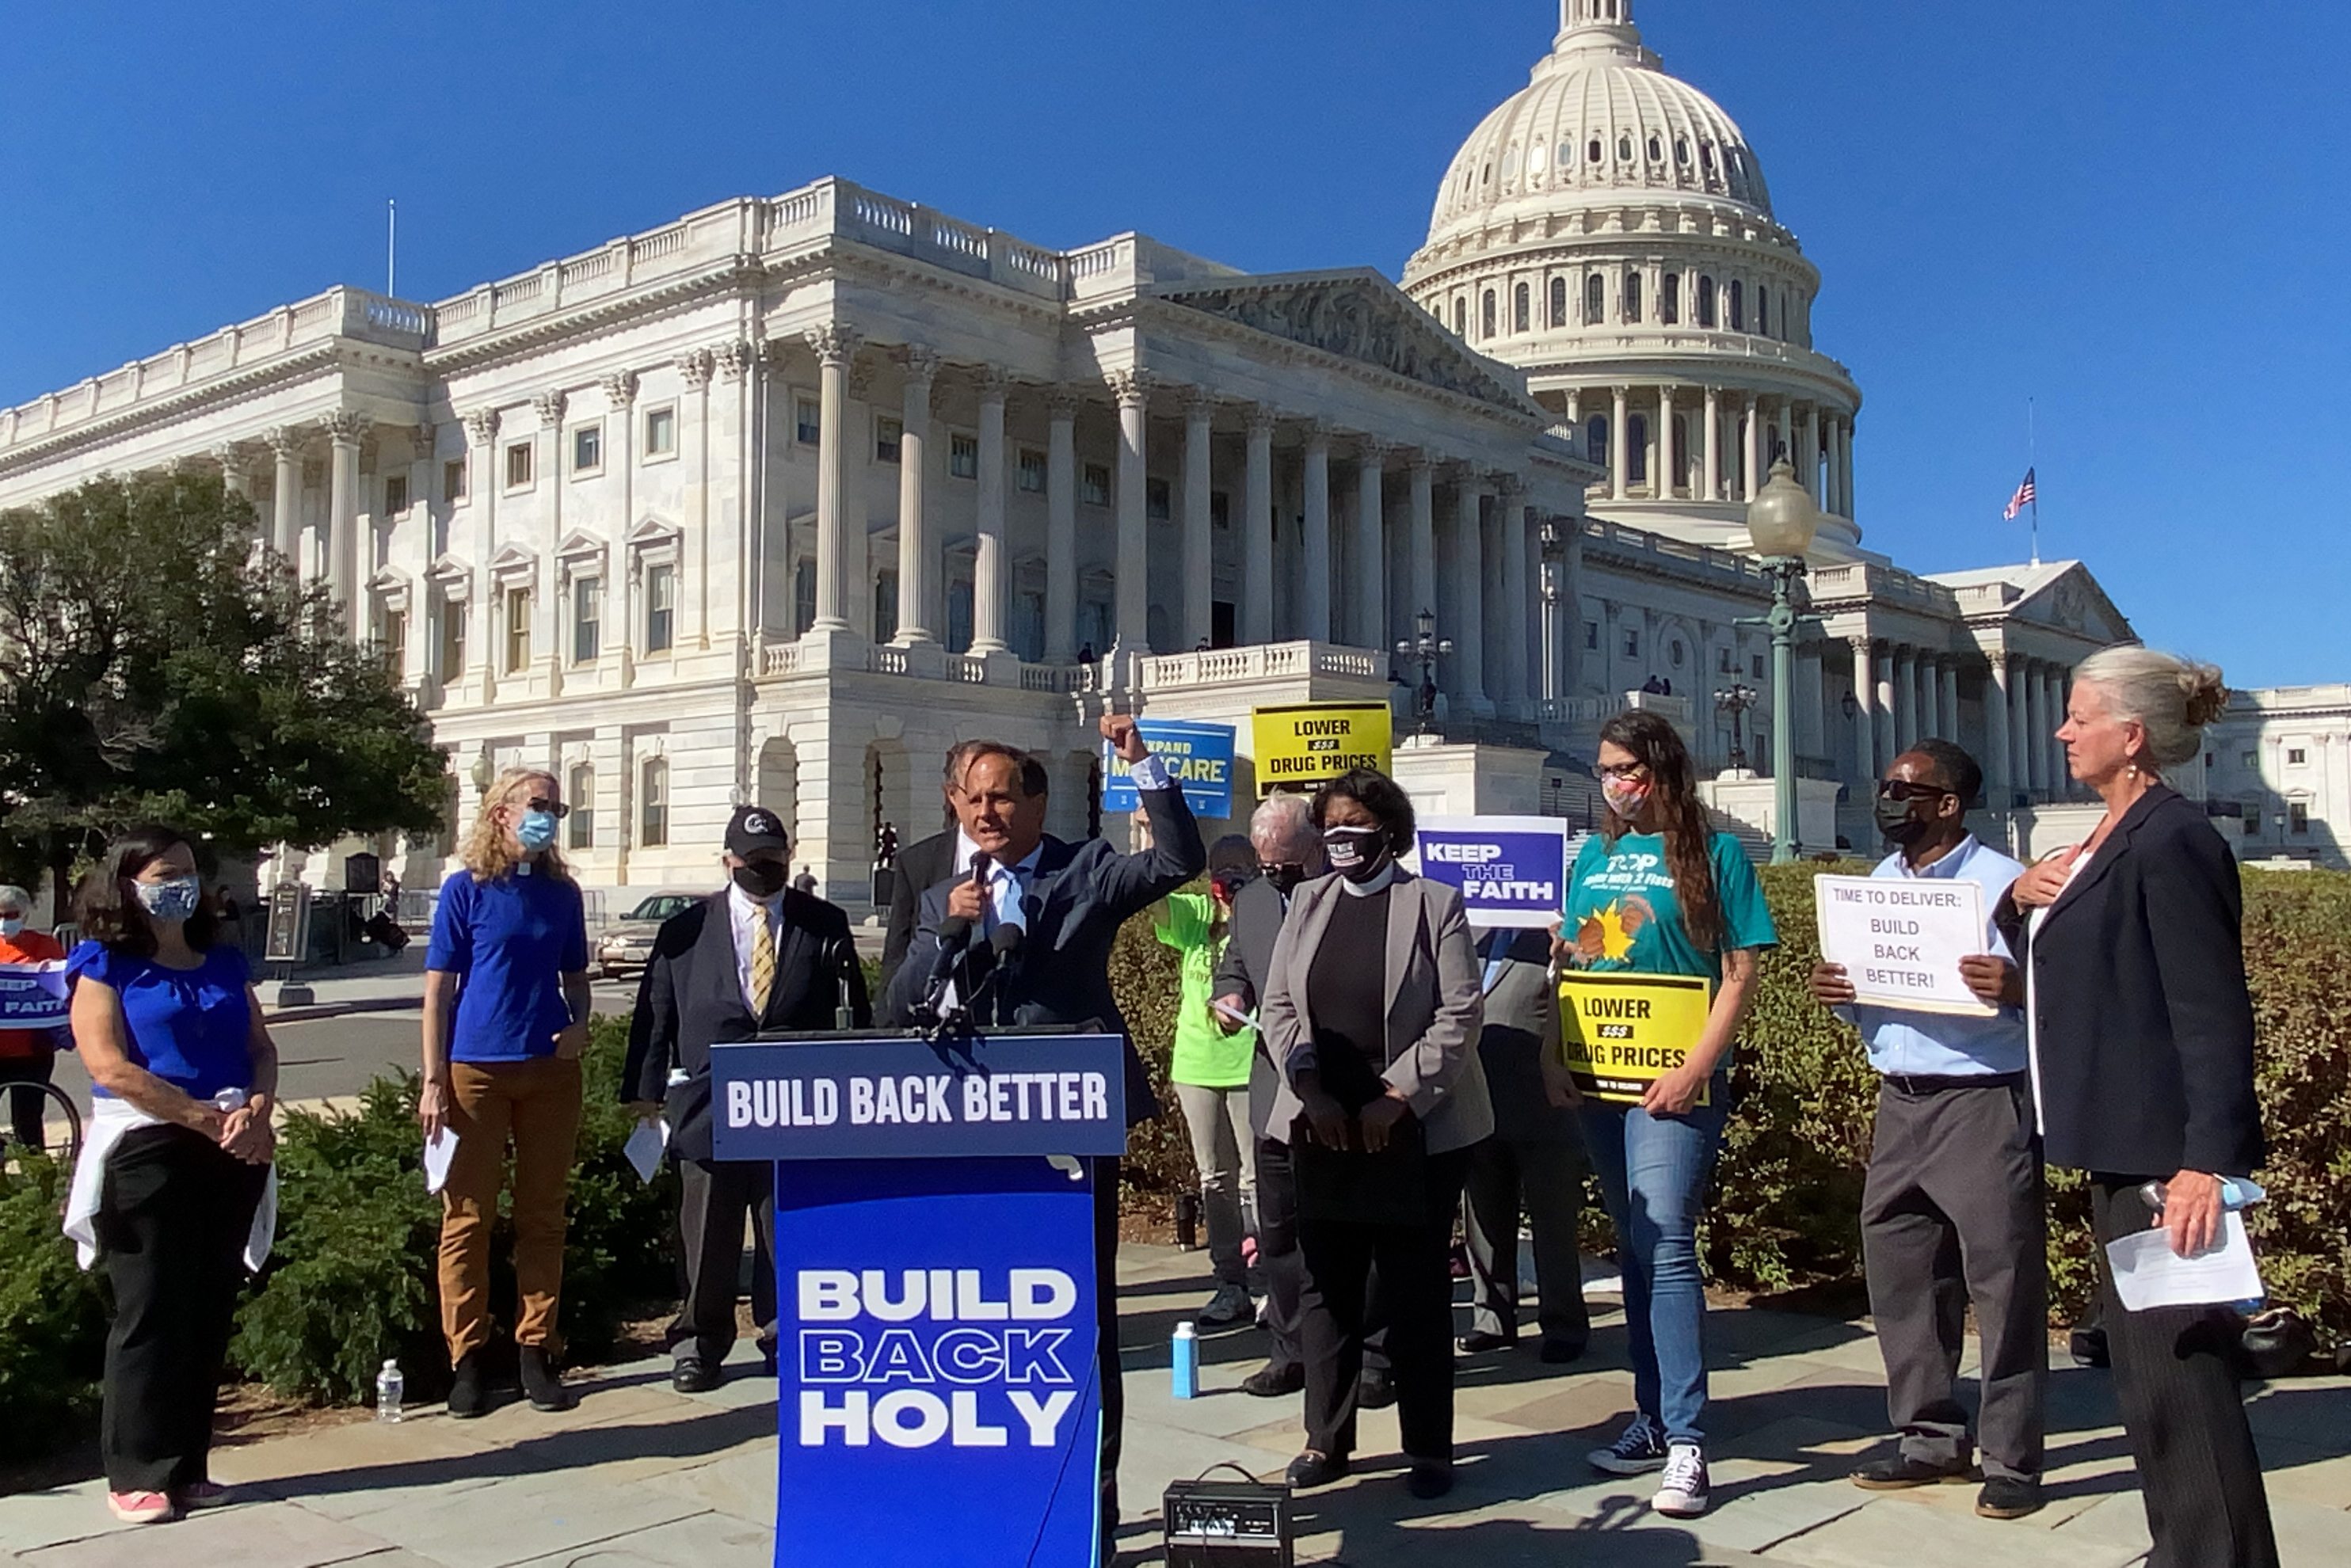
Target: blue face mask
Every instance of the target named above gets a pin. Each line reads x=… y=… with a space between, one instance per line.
x=537 y=831
x=171 y=901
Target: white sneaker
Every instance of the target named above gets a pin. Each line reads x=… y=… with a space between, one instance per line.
x=1681 y=1491
x=1638 y=1450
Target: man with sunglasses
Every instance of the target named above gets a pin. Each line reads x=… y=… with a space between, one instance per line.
x=1952 y=1213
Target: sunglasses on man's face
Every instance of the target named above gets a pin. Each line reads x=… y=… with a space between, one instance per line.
x=1903 y=789
x=554 y=807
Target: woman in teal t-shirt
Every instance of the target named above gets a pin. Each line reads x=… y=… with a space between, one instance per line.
x=1657 y=891
x=1210 y=1072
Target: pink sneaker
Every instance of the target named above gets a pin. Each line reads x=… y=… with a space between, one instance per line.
x=141 y=1507
x=206 y=1494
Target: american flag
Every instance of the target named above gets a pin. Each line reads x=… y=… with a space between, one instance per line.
x=2021 y=499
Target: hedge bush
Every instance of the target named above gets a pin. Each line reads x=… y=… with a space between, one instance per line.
x=52 y=1315
x=1785 y=1210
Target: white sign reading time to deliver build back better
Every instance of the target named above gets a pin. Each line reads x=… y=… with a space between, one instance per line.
x=1901 y=939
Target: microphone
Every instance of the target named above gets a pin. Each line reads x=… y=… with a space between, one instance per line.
x=955 y=936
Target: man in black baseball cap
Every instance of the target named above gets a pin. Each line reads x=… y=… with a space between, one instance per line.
x=758 y=956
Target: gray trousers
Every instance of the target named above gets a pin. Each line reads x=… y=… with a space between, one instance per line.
x=715 y=1198
x=1953 y=1215
x=1544 y=1180
x=1225 y=1154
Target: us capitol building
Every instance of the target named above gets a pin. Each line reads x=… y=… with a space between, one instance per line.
x=779 y=500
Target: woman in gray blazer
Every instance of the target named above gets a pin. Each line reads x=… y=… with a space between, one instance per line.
x=1372 y=1011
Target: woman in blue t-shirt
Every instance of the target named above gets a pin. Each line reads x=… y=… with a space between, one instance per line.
x=184 y=1078
x=505 y=1018
x=1655 y=891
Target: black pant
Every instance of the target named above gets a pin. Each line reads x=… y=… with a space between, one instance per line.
x=1543 y=1179
x=714 y=1197
x=1415 y=1285
x=1284 y=1267
x=172 y=1226
x=1951 y=1214
x=28 y=1106
x=2175 y=1382
x=1112 y=1369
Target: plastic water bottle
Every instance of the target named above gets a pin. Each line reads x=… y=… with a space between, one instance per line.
x=1187 y=1362
x=391 y=1388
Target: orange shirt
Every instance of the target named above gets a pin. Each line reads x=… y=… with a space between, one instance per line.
x=28 y=947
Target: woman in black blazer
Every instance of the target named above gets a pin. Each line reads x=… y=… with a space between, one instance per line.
x=2142 y=1034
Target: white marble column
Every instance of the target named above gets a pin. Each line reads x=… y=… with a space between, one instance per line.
x=1930 y=718
x=1422 y=551
x=835 y=343
x=989 y=577
x=2053 y=701
x=1464 y=549
x=1889 y=734
x=1844 y=469
x=1662 y=475
x=1314 y=591
x=1257 y=532
x=1510 y=538
x=915 y=550
x=1132 y=388
x=1751 y=449
x=1784 y=428
x=235 y=477
x=1810 y=717
x=2036 y=731
x=1948 y=709
x=344 y=429
x=693 y=368
x=1619 y=448
x=1811 y=450
x=1711 y=487
x=1199 y=537
x=1997 y=787
x=1062 y=528
x=286 y=493
x=2020 y=724
x=1371 y=550
x=1864 y=710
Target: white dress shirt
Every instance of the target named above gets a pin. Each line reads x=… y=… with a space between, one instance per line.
x=743 y=913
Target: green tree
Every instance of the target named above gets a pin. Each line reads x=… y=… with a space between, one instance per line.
x=154 y=664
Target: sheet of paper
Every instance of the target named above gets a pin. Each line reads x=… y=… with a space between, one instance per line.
x=438 y=1153
x=1900 y=939
x=1225 y=1010
x=2148 y=1274
x=645 y=1145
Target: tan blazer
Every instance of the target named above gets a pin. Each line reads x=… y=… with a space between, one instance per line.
x=1436 y=1007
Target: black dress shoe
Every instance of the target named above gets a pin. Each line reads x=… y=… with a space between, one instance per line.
x=1375 y=1391
x=1429 y=1477
x=1560 y=1352
x=541 y=1383
x=1272 y=1381
x=1312 y=1469
x=694 y=1377
x=2008 y=1497
x=1902 y=1472
x=468 y=1397
x=1478 y=1341
x=767 y=1361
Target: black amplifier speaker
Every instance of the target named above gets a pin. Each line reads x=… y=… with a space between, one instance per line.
x=1226 y=1524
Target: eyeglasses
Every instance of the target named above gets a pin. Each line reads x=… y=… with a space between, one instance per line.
x=1622 y=770
x=1903 y=789
x=555 y=809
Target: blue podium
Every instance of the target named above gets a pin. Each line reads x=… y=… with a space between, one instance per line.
x=938 y=1396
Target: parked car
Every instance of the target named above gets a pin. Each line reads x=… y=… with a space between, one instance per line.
x=626 y=946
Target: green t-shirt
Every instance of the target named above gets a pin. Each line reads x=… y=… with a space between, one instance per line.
x=1206 y=1056
x=1622 y=913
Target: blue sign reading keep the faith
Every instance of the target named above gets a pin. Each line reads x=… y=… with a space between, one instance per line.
x=1198 y=757
x=896 y=1098
x=33 y=995
x=1509 y=871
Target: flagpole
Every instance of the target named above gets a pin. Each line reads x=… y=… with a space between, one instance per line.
x=391 y=248
x=2032 y=466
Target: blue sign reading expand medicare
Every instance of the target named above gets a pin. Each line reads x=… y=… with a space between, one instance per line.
x=1198 y=757
x=33 y=995
x=899 y=1098
x=1510 y=871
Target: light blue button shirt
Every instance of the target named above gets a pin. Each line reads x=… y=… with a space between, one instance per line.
x=1938 y=1045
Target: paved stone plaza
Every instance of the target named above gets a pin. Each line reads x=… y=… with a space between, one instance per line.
x=639 y=1475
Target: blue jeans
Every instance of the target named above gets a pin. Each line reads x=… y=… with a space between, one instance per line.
x=1653 y=1172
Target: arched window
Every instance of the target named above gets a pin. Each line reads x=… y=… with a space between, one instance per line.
x=1763 y=311
x=652 y=805
x=1559 y=301
x=1706 y=156
x=1669 y=299
x=1521 y=310
x=1592 y=151
x=1595 y=300
x=1461 y=318
x=1596 y=439
x=579 y=791
x=1738 y=306
x=1656 y=150
x=1636 y=448
x=1706 y=301
x=1486 y=315
x=1681 y=150
x=1624 y=149
x=1632 y=295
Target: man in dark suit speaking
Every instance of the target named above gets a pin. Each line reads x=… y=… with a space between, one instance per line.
x=759 y=956
x=1066 y=902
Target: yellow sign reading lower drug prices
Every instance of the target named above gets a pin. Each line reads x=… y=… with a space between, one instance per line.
x=1312 y=742
x=1620 y=1032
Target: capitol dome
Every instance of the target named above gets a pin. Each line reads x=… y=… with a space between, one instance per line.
x=1608 y=231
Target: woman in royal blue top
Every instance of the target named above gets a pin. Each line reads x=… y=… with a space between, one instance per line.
x=505 y=1018
x=184 y=1078
x=1656 y=891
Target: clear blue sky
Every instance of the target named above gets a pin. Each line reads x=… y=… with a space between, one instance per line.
x=2131 y=210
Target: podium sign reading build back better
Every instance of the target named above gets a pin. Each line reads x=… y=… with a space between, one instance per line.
x=1900 y=939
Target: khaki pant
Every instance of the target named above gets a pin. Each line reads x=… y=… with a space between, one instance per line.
x=537 y=1103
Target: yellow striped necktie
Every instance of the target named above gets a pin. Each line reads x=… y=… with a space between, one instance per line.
x=763 y=963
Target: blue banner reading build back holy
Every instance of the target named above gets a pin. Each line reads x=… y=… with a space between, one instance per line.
x=1510 y=871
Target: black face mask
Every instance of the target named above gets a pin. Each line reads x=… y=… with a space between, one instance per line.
x=1285 y=878
x=1358 y=854
x=1895 y=821
x=760 y=879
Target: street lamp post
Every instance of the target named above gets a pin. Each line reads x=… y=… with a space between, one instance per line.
x=1781 y=522
x=1425 y=647
x=1735 y=700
